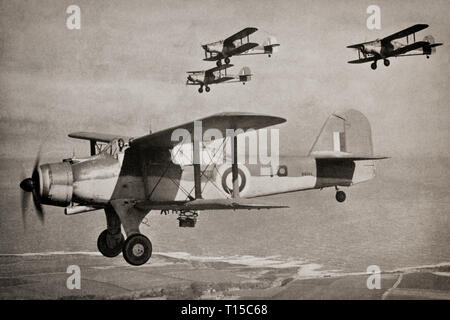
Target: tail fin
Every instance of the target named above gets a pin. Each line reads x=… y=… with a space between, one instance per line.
x=271 y=45
x=344 y=135
x=343 y=150
x=430 y=49
x=245 y=74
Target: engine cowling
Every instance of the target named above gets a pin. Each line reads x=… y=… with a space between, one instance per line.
x=56 y=183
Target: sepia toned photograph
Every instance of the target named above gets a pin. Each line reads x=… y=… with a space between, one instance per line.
x=224 y=150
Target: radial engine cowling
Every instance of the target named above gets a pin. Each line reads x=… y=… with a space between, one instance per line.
x=56 y=183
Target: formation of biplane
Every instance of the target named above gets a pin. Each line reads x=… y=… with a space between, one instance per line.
x=129 y=177
x=236 y=45
x=382 y=49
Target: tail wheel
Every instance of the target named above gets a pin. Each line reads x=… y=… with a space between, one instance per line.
x=386 y=62
x=340 y=196
x=207 y=89
x=137 y=249
x=109 y=245
x=227 y=60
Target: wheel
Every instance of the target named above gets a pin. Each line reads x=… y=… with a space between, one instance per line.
x=386 y=62
x=200 y=90
x=218 y=63
x=373 y=66
x=137 y=249
x=340 y=196
x=109 y=247
x=207 y=89
x=428 y=57
x=227 y=60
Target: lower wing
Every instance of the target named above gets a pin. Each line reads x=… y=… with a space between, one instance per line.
x=205 y=204
x=364 y=60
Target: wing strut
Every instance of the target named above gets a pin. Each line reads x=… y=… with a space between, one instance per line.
x=234 y=169
x=92 y=144
x=196 y=158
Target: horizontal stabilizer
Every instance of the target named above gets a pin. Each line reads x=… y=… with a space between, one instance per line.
x=206 y=204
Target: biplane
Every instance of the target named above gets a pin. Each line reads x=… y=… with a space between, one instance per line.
x=216 y=75
x=128 y=177
x=237 y=45
x=382 y=49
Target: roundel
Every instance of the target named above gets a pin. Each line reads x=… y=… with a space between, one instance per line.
x=227 y=180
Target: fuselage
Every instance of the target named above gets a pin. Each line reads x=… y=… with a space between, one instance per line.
x=381 y=49
x=104 y=177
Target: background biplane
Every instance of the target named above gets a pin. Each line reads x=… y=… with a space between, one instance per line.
x=128 y=178
x=236 y=45
x=216 y=75
x=382 y=49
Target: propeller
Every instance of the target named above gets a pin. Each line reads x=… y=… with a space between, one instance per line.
x=30 y=189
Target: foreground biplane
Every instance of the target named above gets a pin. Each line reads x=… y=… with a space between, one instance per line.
x=382 y=49
x=237 y=45
x=216 y=75
x=128 y=178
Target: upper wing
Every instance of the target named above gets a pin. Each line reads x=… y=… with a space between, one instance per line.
x=205 y=204
x=239 y=35
x=94 y=136
x=405 y=32
x=364 y=60
x=220 y=121
x=359 y=45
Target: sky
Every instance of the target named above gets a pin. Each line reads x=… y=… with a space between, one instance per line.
x=124 y=71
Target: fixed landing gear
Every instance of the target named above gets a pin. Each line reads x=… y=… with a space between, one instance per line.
x=386 y=62
x=110 y=245
x=373 y=65
x=137 y=249
x=219 y=63
x=428 y=57
x=340 y=196
x=227 y=60
x=207 y=89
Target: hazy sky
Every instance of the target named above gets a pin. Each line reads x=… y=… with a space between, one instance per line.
x=124 y=71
